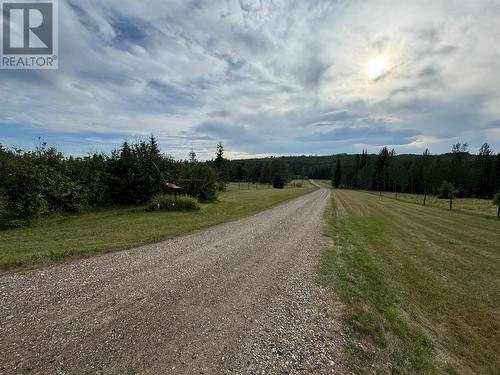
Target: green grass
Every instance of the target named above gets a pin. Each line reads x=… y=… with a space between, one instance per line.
x=63 y=236
x=475 y=206
x=482 y=207
x=421 y=285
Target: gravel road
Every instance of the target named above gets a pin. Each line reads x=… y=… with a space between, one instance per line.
x=239 y=298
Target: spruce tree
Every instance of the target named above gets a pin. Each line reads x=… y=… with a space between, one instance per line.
x=337 y=178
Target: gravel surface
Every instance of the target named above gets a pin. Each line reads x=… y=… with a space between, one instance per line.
x=239 y=298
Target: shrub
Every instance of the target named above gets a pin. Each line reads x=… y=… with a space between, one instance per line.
x=167 y=202
x=496 y=201
x=5 y=215
x=201 y=182
x=447 y=190
x=221 y=186
x=36 y=183
x=279 y=182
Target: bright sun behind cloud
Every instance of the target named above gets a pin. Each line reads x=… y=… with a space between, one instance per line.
x=379 y=67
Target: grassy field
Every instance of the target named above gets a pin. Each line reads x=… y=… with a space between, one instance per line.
x=59 y=237
x=482 y=207
x=421 y=285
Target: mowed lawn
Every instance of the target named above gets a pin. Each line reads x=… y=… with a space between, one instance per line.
x=105 y=230
x=482 y=207
x=421 y=285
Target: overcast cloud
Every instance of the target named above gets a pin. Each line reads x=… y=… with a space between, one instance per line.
x=264 y=77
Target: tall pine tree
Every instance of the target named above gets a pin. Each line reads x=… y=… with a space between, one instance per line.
x=337 y=176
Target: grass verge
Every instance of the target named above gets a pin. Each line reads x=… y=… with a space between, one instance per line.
x=420 y=285
x=59 y=237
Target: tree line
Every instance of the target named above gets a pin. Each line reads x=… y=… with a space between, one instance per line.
x=463 y=173
x=41 y=181
x=459 y=171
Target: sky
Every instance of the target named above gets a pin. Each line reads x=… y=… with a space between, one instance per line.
x=264 y=77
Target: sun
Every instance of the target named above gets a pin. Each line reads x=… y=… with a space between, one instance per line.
x=379 y=67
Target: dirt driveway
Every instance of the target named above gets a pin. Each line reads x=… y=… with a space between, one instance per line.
x=239 y=298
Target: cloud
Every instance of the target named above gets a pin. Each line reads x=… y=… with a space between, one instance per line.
x=236 y=134
x=368 y=135
x=493 y=125
x=265 y=77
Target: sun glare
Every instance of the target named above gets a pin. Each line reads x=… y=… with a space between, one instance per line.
x=378 y=68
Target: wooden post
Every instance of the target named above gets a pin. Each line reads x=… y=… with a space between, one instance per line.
x=451 y=204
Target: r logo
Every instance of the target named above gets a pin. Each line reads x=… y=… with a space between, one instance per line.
x=28 y=28
x=30 y=34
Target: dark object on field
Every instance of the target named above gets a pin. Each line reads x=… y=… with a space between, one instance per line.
x=496 y=201
x=278 y=182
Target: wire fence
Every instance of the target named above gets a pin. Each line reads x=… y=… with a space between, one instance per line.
x=482 y=207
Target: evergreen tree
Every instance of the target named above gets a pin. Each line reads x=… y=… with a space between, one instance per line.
x=458 y=173
x=381 y=169
x=485 y=184
x=266 y=176
x=337 y=178
x=219 y=156
x=497 y=172
x=192 y=157
x=240 y=173
x=364 y=159
x=220 y=163
x=425 y=172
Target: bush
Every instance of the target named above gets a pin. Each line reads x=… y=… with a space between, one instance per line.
x=221 y=186
x=201 y=182
x=447 y=190
x=166 y=202
x=496 y=201
x=36 y=183
x=5 y=215
x=279 y=182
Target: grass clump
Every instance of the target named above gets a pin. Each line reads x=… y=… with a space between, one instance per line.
x=166 y=202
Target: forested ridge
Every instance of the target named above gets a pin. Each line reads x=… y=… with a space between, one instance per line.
x=471 y=175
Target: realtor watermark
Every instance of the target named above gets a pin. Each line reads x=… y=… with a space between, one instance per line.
x=30 y=34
